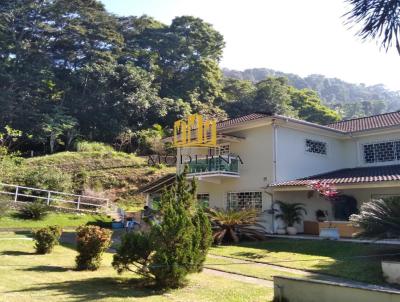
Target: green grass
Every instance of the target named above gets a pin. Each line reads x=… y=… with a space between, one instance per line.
x=64 y=220
x=339 y=259
x=26 y=276
x=117 y=174
x=248 y=269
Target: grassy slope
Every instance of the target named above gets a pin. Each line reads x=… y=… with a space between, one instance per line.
x=62 y=219
x=28 y=277
x=342 y=259
x=119 y=174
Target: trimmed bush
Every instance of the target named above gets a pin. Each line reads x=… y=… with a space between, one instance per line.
x=34 y=210
x=92 y=242
x=46 y=238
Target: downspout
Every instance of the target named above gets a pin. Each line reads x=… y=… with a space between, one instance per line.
x=274 y=172
x=275 y=149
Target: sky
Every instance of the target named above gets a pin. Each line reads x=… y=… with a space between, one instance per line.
x=296 y=36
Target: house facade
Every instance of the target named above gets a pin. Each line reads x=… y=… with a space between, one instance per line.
x=260 y=159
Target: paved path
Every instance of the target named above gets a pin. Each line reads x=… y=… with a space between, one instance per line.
x=238 y=277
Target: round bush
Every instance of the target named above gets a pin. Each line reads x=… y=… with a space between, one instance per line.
x=46 y=238
x=92 y=242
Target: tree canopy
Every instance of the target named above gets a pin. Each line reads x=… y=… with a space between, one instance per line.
x=69 y=69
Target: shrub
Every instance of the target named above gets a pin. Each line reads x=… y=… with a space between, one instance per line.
x=84 y=146
x=173 y=248
x=379 y=218
x=233 y=225
x=34 y=210
x=46 y=238
x=92 y=242
x=46 y=178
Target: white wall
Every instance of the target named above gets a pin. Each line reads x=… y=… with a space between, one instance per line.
x=294 y=162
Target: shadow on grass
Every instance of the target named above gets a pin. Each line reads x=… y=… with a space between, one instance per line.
x=355 y=261
x=95 y=289
x=17 y=253
x=46 y=268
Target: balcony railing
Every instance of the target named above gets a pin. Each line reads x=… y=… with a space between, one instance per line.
x=224 y=165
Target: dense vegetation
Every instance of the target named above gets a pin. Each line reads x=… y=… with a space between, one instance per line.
x=69 y=70
x=350 y=100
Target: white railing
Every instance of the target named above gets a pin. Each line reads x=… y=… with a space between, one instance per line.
x=53 y=198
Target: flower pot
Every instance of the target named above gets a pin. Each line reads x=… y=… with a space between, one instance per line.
x=281 y=231
x=391 y=271
x=291 y=230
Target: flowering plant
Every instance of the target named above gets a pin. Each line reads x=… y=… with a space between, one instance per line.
x=324 y=189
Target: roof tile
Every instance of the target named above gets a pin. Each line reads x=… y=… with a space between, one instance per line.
x=348 y=176
x=368 y=123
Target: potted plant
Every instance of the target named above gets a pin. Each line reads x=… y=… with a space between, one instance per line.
x=379 y=219
x=291 y=213
x=321 y=215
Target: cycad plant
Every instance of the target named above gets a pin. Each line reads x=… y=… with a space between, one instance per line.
x=233 y=225
x=379 y=218
x=291 y=213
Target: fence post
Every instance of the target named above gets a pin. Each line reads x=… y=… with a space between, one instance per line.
x=48 y=198
x=16 y=194
x=79 y=201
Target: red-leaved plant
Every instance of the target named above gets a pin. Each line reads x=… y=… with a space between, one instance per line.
x=324 y=189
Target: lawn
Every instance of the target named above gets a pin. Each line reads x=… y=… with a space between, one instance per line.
x=26 y=276
x=355 y=261
x=65 y=220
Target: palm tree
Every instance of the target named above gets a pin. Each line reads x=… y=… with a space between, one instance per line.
x=231 y=225
x=379 y=218
x=291 y=213
x=378 y=18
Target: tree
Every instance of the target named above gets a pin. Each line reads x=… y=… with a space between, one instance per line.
x=175 y=247
x=309 y=107
x=379 y=19
x=55 y=125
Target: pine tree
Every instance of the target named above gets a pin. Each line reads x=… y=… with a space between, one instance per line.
x=183 y=238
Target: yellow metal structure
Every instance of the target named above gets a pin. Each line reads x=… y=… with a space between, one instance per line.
x=195 y=132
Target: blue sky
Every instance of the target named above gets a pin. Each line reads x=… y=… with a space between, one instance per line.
x=298 y=36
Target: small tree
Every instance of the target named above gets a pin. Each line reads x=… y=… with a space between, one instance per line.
x=46 y=238
x=92 y=242
x=175 y=247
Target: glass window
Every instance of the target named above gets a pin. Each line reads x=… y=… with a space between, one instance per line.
x=244 y=200
x=318 y=147
x=224 y=149
x=204 y=199
x=381 y=152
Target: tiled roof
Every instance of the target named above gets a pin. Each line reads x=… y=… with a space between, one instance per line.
x=159 y=184
x=368 y=123
x=241 y=119
x=349 y=176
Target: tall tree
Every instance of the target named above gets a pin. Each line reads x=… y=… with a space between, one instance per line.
x=379 y=19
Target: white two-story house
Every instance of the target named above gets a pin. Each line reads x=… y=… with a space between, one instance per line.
x=262 y=158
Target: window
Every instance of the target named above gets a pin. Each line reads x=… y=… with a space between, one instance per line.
x=318 y=147
x=203 y=199
x=381 y=152
x=224 y=149
x=244 y=200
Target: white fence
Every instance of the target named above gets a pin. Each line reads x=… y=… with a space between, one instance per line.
x=55 y=199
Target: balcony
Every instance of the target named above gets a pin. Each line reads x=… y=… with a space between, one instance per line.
x=214 y=167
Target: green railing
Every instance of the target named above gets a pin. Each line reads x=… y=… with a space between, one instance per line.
x=225 y=165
